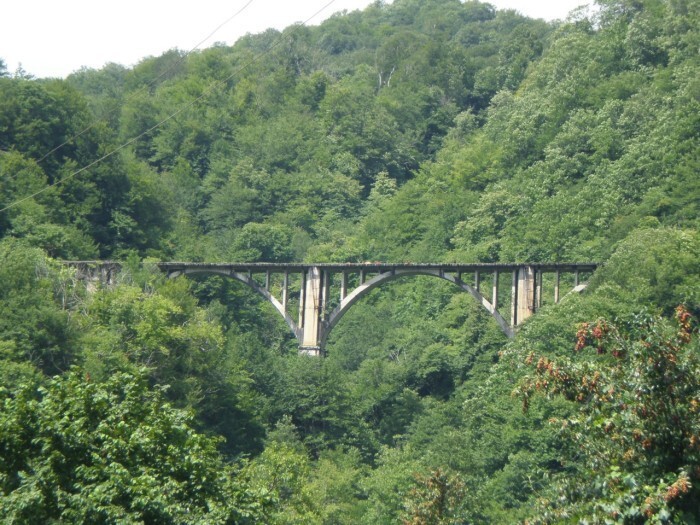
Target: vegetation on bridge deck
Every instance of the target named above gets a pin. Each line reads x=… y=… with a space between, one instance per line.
x=428 y=131
x=350 y=266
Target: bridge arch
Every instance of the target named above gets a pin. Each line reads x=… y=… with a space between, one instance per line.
x=385 y=277
x=251 y=283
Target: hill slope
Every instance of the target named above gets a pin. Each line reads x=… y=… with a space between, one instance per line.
x=421 y=131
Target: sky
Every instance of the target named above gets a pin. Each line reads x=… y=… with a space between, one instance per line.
x=52 y=38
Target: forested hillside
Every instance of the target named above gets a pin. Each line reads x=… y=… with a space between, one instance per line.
x=417 y=130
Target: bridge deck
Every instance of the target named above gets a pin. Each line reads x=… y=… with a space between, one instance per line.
x=339 y=267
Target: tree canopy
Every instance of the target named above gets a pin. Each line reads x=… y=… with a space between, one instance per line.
x=422 y=131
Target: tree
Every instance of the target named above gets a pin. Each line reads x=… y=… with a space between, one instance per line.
x=35 y=328
x=36 y=118
x=389 y=483
x=635 y=440
x=79 y=451
x=655 y=267
x=181 y=345
x=283 y=471
x=434 y=500
x=262 y=242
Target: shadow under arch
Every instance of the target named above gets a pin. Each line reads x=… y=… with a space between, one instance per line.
x=385 y=277
x=251 y=283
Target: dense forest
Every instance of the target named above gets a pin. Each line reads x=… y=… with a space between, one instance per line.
x=416 y=130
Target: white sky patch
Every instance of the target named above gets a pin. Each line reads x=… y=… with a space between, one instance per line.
x=51 y=38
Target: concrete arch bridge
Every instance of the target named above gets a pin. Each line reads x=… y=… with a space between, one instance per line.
x=323 y=293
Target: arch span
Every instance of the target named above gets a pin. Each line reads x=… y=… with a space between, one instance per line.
x=248 y=280
x=385 y=277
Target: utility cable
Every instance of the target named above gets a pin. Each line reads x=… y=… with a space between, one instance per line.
x=166 y=119
x=149 y=84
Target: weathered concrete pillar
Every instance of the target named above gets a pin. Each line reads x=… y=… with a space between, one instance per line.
x=526 y=294
x=494 y=290
x=285 y=290
x=343 y=285
x=514 y=299
x=312 y=309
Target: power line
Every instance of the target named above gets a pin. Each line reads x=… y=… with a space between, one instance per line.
x=151 y=83
x=166 y=119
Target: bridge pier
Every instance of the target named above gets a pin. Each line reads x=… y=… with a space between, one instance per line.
x=311 y=305
x=525 y=295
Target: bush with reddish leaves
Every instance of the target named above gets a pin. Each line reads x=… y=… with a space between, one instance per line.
x=634 y=454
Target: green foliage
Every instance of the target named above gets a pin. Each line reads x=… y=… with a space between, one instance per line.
x=180 y=346
x=100 y=208
x=37 y=117
x=84 y=451
x=389 y=485
x=336 y=484
x=411 y=131
x=655 y=267
x=261 y=242
x=434 y=501
x=35 y=325
x=314 y=394
x=635 y=456
x=282 y=472
x=33 y=220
